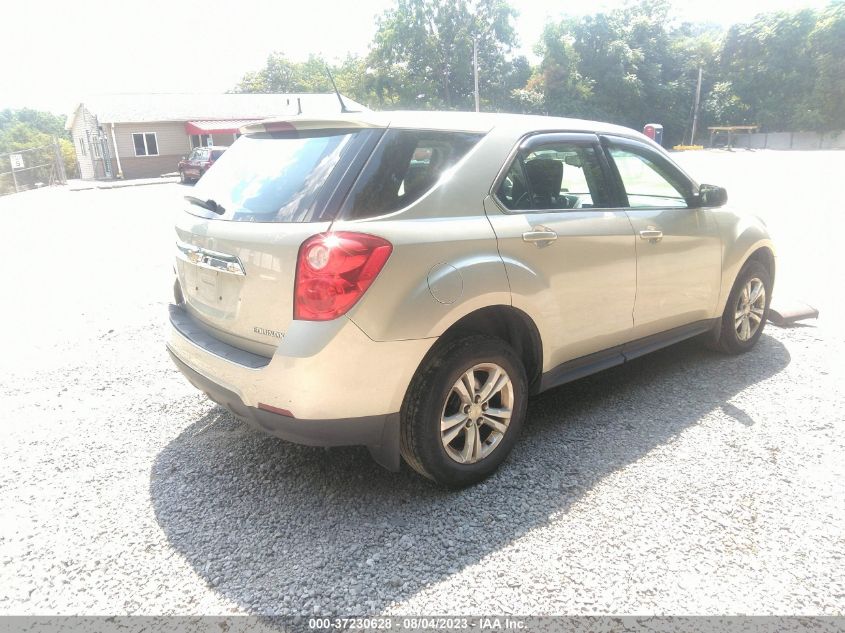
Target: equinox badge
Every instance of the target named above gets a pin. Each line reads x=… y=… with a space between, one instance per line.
x=266 y=332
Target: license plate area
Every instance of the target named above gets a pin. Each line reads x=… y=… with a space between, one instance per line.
x=208 y=286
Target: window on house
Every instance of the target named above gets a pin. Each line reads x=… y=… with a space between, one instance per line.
x=145 y=144
x=200 y=140
x=82 y=146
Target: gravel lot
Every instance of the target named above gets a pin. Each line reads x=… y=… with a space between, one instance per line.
x=685 y=482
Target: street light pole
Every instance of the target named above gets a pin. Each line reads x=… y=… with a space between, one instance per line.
x=695 y=109
x=475 y=71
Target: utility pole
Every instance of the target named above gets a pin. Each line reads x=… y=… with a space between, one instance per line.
x=695 y=109
x=60 y=162
x=475 y=71
x=14 y=178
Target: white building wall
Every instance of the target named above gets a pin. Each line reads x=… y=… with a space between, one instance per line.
x=84 y=125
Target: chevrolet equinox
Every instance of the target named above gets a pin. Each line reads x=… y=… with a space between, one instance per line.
x=405 y=281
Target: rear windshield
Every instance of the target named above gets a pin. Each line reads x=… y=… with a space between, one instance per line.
x=404 y=166
x=217 y=153
x=271 y=178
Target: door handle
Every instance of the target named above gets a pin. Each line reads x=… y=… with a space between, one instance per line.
x=652 y=235
x=539 y=235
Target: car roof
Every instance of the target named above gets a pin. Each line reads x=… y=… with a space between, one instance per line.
x=438 y=120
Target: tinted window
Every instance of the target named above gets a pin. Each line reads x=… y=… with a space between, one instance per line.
x=140 y=147
x=513 y=192
x=272 y=179
x=555 y=176
x=152 y=145
x=647 y=181
x=404 y=166
x=217 y=153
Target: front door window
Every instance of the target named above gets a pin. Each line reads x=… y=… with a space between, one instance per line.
x=647 y=183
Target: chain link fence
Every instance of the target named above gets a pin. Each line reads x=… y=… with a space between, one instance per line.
x=32 y=168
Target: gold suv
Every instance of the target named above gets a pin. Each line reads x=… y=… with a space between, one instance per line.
x=406 y=280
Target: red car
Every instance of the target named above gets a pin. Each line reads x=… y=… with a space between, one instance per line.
x=192 y=167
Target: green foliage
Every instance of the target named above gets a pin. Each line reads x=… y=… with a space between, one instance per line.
x=825 y=106
x=632 y=66
x=626 y=66
x=25 y=129
x=45 y=122
x=283 y=75
x=769 y=66
x=423 y=49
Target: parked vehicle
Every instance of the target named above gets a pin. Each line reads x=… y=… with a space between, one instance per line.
x=405 y=281
x=193 y=166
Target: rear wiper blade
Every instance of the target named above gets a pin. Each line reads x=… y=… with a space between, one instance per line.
x=209 y=204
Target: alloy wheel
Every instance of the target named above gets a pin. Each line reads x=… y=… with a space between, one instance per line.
x=750 y=309
x=476 y=413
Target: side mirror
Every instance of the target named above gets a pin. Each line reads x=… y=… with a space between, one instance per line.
x=712 y=196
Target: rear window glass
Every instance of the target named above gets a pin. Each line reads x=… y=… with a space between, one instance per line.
x=217 y=153
x=271 y=178
x=404 y=166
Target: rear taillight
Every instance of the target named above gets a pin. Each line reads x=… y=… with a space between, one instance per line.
x=333 y=271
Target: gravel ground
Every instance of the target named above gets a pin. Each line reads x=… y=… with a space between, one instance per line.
x=684 y=482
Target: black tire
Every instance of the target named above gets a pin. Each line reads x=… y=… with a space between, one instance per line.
x=431 y=393
x=727 y=339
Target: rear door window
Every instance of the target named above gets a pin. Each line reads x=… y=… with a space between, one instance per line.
x=275 y=178
x=405 y=165
x=555 y=176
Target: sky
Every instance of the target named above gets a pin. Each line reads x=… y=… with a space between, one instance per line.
x=72 y=48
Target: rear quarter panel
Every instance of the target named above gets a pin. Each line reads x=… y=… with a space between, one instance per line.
x=439 y=271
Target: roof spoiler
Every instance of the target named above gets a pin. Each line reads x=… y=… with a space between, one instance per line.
x=301 y=123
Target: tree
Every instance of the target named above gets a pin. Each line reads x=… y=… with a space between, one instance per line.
x=630 y=66
x=282 y=75
x=558 y=81
x=423 y=53
x=768 y=64
x=27 y=129
x=825 y=107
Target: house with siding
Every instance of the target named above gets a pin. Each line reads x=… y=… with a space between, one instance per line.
x=145 y=135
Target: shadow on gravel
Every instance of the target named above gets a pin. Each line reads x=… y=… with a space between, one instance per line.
x=283 y=529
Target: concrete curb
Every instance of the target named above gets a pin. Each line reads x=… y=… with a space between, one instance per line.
x=86 y=185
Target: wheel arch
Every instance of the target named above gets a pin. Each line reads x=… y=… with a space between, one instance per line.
x=747 y=240
x=766 y=257
x=507 y=323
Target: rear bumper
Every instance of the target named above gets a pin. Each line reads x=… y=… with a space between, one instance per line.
x=340 y=387
x=379 y=433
